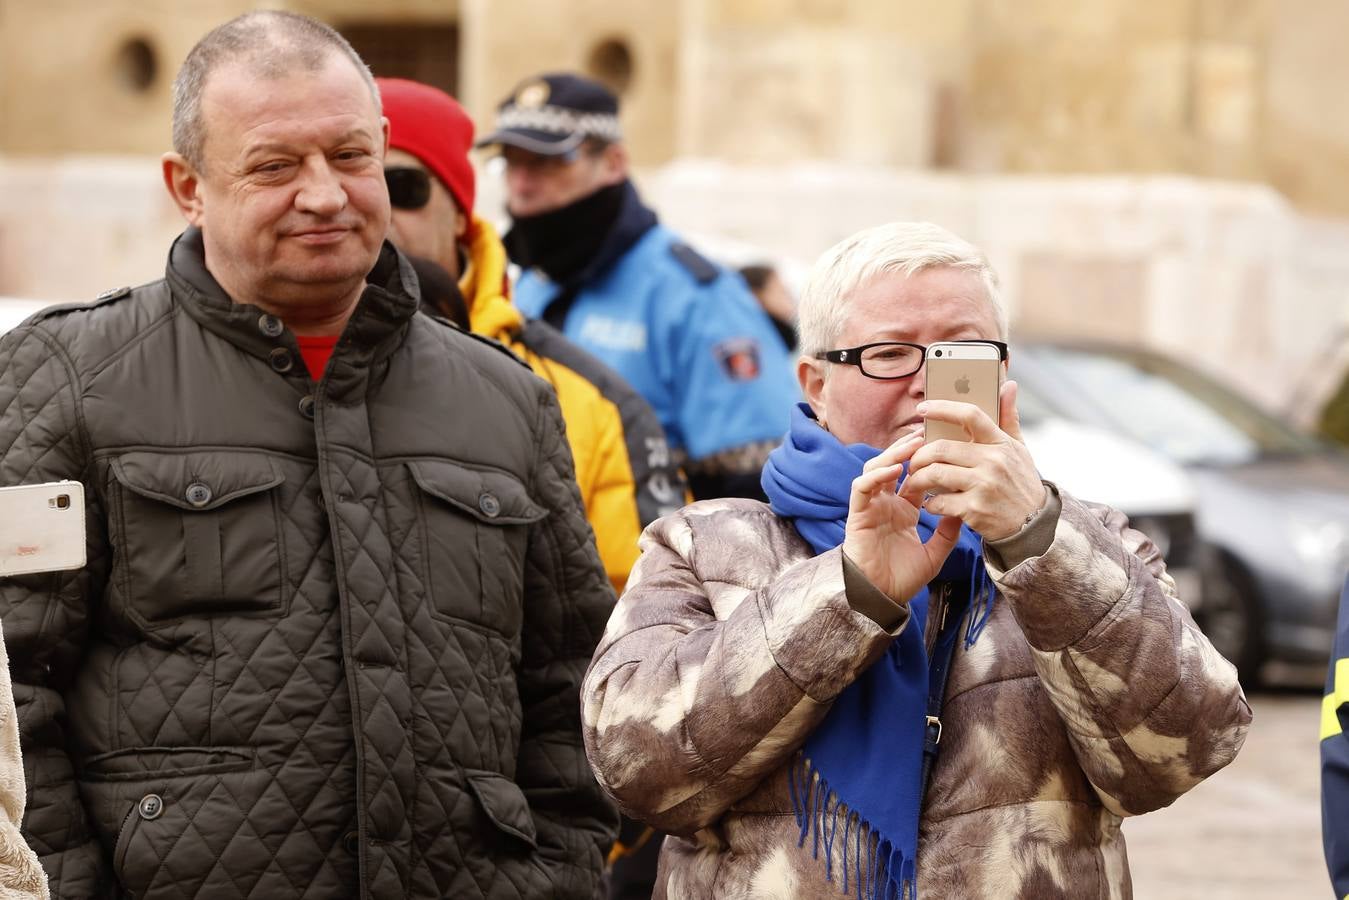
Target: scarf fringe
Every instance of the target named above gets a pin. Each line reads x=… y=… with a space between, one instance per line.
x=876 y=868
x=982 y=596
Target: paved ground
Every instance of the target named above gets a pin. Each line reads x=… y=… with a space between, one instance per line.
x=1254 y=829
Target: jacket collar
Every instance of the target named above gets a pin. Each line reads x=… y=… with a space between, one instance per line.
x=375 y=329
x=635 y=219
x=485 y=286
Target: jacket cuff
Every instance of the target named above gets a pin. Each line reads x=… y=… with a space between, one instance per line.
x=1059 y=596
x=871 y=601
x=1035 y=536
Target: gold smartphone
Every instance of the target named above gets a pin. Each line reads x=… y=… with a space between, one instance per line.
x=964 y=371
x=42 y=528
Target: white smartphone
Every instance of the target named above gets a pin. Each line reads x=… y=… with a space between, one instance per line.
x=967 y=372
x=42 y=528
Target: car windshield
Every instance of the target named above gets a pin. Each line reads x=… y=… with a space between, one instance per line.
x=1175 y=410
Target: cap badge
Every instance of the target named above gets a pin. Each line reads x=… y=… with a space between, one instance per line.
x=532 y=95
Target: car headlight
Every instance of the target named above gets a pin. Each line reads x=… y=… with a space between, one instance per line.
x=1321 y=543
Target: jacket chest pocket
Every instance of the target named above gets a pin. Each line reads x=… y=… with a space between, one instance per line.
x=198 y=534
x=474 y=530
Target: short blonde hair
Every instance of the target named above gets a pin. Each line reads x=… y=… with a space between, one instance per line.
x=899 y=247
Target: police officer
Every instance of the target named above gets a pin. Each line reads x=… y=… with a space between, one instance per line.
x=598 y=265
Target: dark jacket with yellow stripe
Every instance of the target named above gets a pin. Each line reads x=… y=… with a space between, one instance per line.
x=623 y=465
x=1335 y=756
x=330 y=637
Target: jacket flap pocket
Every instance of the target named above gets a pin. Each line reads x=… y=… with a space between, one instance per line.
x=504 y=803
x=146 y=763
x=492 y=497
x=195 y=481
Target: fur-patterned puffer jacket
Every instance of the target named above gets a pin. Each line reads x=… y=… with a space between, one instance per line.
x=1090 y=696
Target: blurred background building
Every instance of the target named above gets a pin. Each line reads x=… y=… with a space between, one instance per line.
x=1164 y=172
x=1167 y=175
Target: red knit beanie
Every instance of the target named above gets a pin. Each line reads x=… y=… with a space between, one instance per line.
x=432 y=126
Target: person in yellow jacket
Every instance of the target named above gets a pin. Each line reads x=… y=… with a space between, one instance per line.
x=623 y=466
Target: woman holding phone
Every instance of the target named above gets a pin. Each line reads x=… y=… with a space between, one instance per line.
x=919 y=667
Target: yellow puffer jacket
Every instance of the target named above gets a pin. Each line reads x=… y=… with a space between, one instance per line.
x=623 y=465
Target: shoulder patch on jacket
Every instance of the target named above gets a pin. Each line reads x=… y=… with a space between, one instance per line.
x=739 y=358
x=482 y=339
x=113 y=294
x=697 y=265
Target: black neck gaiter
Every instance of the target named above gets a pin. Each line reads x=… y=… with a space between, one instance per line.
x=563 y=242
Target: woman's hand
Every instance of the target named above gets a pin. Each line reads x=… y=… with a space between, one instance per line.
x=990 y=482
x=881 y=537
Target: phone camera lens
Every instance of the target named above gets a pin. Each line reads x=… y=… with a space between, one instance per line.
x=936 y=353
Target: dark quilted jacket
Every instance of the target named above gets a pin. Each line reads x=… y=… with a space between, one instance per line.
x=330 y=637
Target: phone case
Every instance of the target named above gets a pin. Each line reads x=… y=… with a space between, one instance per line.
x=963 y=379
x=42 y=528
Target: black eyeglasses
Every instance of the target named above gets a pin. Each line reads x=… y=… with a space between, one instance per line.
x=886 y=360
x=409 y=188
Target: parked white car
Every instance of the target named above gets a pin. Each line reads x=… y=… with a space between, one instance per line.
x=1157 y=495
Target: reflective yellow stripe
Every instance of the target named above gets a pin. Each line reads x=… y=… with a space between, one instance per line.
x=1338 y=696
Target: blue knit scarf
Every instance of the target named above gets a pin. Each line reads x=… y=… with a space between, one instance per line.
x=863 y=764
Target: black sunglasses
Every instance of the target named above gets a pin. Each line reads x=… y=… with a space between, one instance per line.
x=409 y=188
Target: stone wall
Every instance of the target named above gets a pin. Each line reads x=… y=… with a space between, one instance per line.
x=635 y=44
x=74 y=228
x=1245 y=89
x=93 y=77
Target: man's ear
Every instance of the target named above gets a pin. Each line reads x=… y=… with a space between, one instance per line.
x=810 y=373
x=184 y=186
x=384 y=124
x=615 y=163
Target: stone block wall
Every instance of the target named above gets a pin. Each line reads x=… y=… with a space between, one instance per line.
x=1235 y=89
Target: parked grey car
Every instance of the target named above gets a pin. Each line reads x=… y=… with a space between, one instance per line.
x=1273 y=504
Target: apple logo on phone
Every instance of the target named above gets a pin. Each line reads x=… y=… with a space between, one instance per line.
x=962 y=385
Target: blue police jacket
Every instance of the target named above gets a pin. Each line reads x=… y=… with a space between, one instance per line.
x=688 y=335
x=1335 y=756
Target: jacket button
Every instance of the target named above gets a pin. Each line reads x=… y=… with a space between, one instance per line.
x=270 y=325
x=351 y=842
x=489 y=505
x=198 y=494
x=281 y=360
x=307 y=406
x=150 y=807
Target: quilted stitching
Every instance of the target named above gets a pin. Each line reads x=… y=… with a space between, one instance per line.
x=355 y=705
